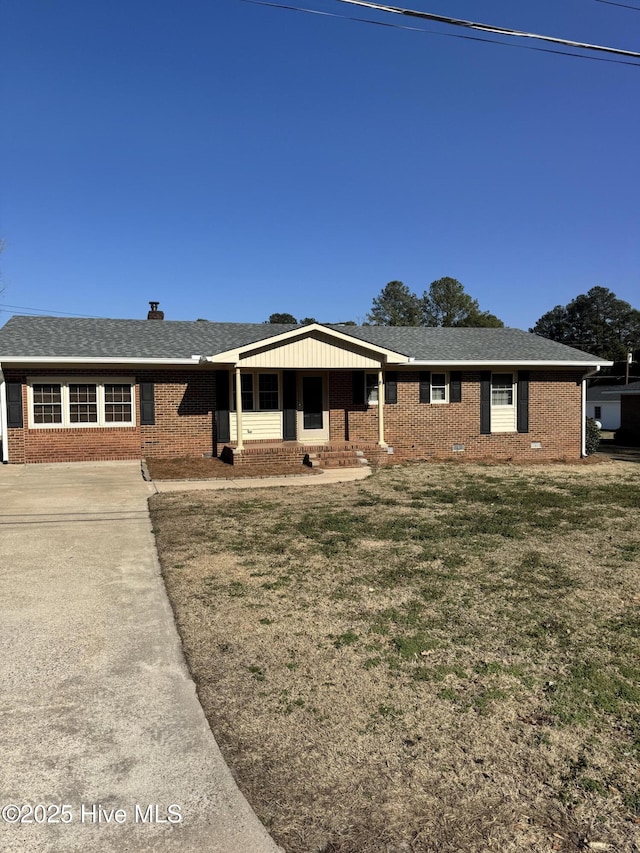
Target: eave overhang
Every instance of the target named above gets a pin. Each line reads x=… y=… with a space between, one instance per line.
x=511 y=362
x=20 y=360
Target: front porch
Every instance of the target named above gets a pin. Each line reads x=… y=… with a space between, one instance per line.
x=340 y=454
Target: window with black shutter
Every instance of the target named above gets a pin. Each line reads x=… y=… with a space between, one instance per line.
x=425 y=386
x=357 y=388
x=455 y=386
x=485 y=402
x=391 y=387
x=14 y=405
x=523 y=401
x=147 y=404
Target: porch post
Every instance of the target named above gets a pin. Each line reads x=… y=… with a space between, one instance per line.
x=240 y=443
x=381 y=440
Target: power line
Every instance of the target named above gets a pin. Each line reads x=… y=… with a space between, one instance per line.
x=49 y=311
x=481 y=39
x=621 y=5
x=488 y=28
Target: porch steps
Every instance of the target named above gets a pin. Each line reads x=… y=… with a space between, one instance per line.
x=335 y=455
x=335 y=459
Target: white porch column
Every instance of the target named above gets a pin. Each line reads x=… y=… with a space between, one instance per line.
x=240 y=444
x=381 y=440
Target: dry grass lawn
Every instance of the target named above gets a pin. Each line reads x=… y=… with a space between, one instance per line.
x=205 y=468
x=439 y=658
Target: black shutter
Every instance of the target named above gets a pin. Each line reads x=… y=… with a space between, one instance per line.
x=391 y=387
x=147 y=404
x=14 y=405
x=357 y=388
x=485 y=402
x=223 y=430
x=289 y=405
x=425 y=386
x=455 y=386
x=523 y=401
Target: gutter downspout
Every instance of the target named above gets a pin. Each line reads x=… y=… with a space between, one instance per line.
x=583 y=421
x=4 y=431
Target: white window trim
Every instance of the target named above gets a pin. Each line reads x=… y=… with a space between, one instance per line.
x=64 y=382
x=512 y=404
x=444 y=373
x=256 y=391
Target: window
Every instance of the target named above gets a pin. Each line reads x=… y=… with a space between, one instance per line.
x=597 y=413
x=268 y=393
x=371 y=389
x=502 y=389
x=118 y=403
x=47 y=403
x=90 y=403
x=83 y=404
x=438 y=387
x=246 y=386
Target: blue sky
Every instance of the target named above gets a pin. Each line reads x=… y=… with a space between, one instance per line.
x=231 y=160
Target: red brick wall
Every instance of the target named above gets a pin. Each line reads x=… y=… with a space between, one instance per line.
x=184 y=404
x=429 y=430
x=185 y=424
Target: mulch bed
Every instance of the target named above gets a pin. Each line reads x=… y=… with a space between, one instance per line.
x=194 y=468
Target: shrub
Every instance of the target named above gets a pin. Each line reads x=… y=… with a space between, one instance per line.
x=593 y=436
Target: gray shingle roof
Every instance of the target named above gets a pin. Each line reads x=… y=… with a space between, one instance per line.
x=631 y=388
x=56 y=337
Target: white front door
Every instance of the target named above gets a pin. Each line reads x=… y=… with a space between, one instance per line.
x=313 y=409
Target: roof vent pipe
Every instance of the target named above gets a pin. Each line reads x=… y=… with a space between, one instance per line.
x=154 y=314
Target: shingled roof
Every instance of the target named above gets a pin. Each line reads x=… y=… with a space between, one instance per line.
x=25 y=338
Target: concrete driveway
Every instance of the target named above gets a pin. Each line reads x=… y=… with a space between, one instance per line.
x=97 y=711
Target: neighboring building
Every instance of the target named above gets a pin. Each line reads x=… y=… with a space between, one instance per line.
x=629 y=432
x=81 y=389
x=603 y=404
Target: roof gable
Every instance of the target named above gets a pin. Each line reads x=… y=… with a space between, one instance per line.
x=310 y=346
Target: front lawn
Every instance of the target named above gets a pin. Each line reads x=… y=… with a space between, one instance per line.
x=439 y=658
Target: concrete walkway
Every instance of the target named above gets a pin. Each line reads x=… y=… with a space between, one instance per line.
x=331 y=475
x=97 y=708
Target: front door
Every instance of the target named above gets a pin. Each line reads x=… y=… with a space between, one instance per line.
x=313 y=414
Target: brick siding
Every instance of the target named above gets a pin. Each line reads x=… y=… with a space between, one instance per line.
x=184 y=403
x=185 y=423
x=429 y=430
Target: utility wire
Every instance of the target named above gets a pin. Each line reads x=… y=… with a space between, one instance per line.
x=47 y=311
x=488 y=28
x=621 y=5
x=482 y=39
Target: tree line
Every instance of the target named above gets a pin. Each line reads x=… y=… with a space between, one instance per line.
x=596 y=322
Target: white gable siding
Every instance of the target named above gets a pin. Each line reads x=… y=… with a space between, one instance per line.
x=311 y=353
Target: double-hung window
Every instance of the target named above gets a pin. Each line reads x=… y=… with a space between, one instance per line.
x=268 y=392
x=46 y=406
x=502 y=389
x=503 y=403
x=61 y=402
x=260 y=392
x=439 y=388
x=371 y=389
